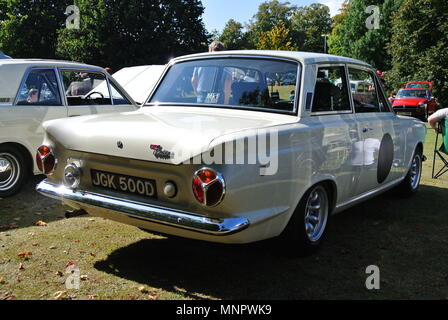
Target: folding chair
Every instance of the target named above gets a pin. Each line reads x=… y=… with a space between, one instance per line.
x=442 y=151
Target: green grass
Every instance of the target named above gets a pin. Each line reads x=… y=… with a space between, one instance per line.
x=406 y=238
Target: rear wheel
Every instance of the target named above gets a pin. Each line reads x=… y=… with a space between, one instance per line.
x=13 y=171
x=411 y=182
x=306 y=229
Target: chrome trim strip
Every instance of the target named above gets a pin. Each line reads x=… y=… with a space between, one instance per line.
x=368 y=194
x=146 y=212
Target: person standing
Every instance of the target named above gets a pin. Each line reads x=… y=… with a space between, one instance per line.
x=203 y=79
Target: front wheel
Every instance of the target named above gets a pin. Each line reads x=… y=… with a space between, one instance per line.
x=13 y=172
x=306 y=229
x=411 y=182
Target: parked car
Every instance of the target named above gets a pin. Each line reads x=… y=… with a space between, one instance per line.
x=33 y=91
x=258 y=166
x=4 y=56
x=139 y=81
x=419 y=85
x=419 y=103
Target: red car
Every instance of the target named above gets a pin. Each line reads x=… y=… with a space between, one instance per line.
x=419 y=85
x=419 y=103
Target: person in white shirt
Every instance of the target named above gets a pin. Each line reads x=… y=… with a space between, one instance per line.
x=436 y=117
x=204 y=77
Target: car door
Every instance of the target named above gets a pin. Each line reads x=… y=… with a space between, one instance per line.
x=379 y=132
x=37 y=101
x=335 y=130
x=89 y=92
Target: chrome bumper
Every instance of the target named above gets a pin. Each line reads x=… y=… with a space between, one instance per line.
x=146 y=212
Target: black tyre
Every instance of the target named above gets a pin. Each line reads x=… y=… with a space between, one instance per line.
x=306 y=229
x=13 y=171
x=410 y=185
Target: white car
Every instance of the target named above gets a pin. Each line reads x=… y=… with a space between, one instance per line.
x=33 y=91
x=217 y=156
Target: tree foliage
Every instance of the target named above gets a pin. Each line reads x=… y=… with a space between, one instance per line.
x=418 y=46
x=309 y=24
x=352 y=38
x=28 y=29
x=276 y=39
x=233 y=36
x=113 y=33
x=134 y=32
x=270 y=14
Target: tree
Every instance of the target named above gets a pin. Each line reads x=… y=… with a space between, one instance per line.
x=418 y=46
x=308 y=26
x=270 y=14
x=233 y=36
x=276 y=39
x=28 y=29
x=123 y=33
x=351 y=37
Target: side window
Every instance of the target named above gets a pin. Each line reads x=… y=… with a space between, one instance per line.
x=365 y=100
x=85 y=88
x=331 y=91
x=384 y=105
x=117 y=96
x=40 y=88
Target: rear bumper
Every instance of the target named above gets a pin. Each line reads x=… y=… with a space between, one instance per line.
x=153 y=214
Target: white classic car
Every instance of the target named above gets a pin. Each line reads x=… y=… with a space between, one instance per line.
x=229 y=149
x=33 y=91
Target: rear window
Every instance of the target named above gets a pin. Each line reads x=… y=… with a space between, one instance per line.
x=243 y=83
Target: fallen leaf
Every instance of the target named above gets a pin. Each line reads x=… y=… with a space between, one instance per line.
x=35 y=244
x=91 y=220
x=52 y=247
x=143 y=289
x=93 y=296
x=17 y=219
x=65 y=251
x=59 y=295
x=38 y=213
x=59 y=273
x=21 y=266
x=152 y=296
x=40 y=223
x=2 y=280
x=84 y=277
x=24 y=254
x=93 y=254
x=71 y=263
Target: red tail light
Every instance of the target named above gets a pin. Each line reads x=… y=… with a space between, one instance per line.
x=45 y=159
x=208 y=187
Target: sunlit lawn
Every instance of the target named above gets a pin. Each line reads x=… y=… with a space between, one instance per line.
x=406 y=238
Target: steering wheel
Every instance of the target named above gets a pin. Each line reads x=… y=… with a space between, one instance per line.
x=93 y=92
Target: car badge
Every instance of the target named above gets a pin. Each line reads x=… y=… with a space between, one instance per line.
x=120 y=144
x=159 y=153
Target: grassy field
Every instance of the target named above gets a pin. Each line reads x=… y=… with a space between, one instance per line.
x=406 y=238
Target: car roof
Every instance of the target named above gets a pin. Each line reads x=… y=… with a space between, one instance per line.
x=47 y=62
x=304 y=57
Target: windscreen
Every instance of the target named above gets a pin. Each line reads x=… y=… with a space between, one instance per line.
x=231 y=82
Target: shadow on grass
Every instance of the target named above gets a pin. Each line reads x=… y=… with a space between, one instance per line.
x=393 y=233
x=28 y=206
